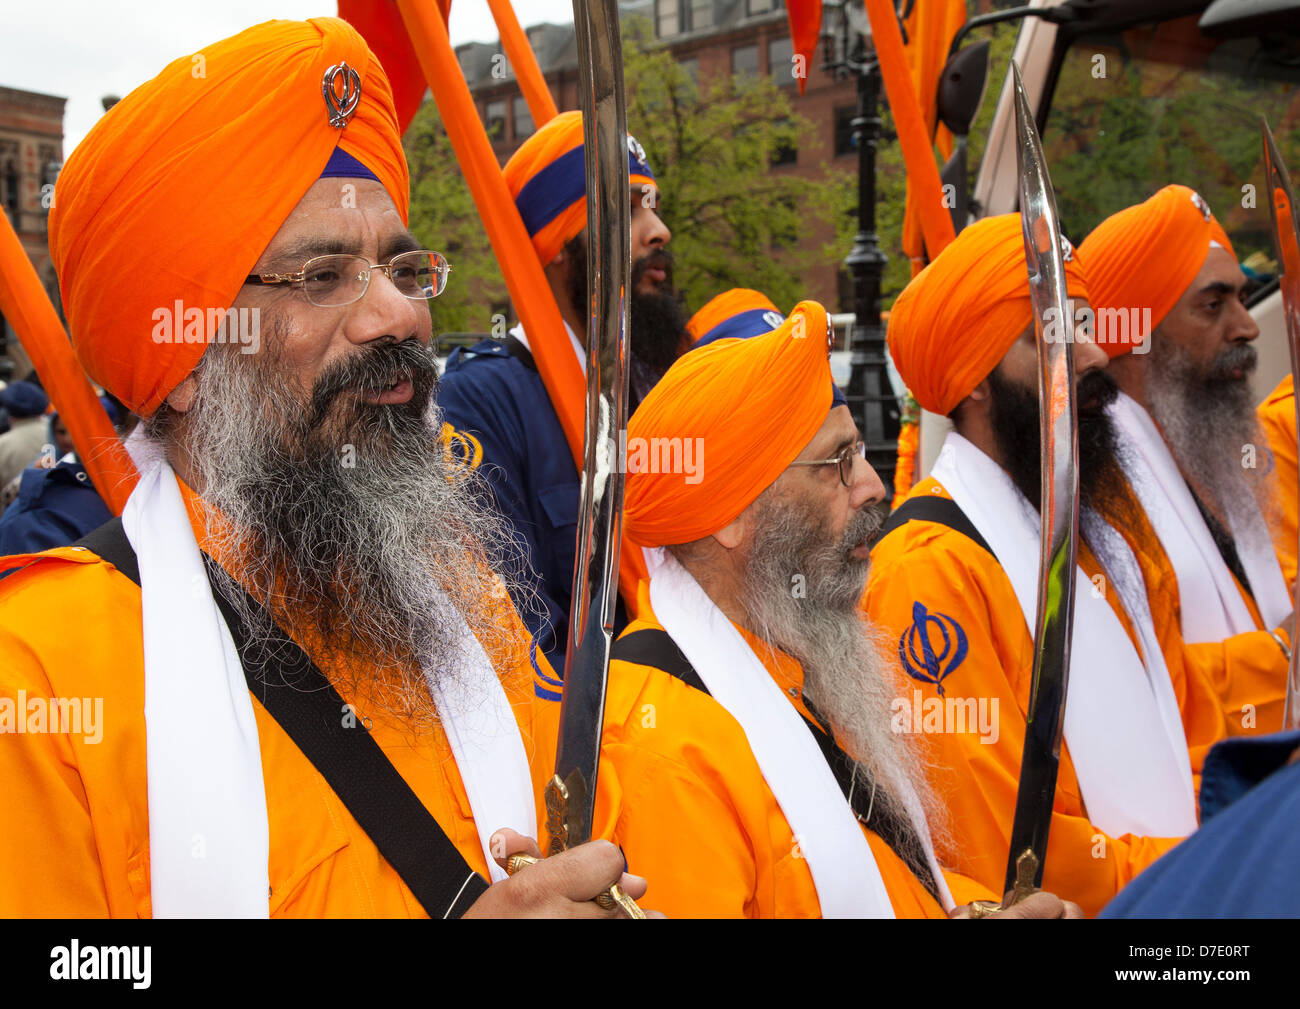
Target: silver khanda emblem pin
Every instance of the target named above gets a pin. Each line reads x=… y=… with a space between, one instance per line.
x=1198 y=201
x=341 y=87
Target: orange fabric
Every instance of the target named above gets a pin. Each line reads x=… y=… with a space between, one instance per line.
x=529 y=291
x=1277 y=414
x=960 y=315
x=178 y=189
x=930 y=564
x=1145 y=256
x=520 y=54
x=681 y=793
x=24 y=303
x=914 y=136
x=722 y=307
x=77 y=811
x=805 y=17
x=560 y=136
x=380 y=24
x=930 y=30
x=747 y=408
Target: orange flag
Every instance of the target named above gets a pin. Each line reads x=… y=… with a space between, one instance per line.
x=24 y=303
x=805 y=28
x=381 y=27
x=909 y=120
x=930 y=29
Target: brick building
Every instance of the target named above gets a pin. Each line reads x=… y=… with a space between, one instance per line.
x=708 y=37
x=31 y=152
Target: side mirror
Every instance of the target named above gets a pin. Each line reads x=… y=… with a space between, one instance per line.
x=961 y=87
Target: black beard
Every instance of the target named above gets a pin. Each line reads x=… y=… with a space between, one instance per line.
x=656 y=322
x=1014 y=418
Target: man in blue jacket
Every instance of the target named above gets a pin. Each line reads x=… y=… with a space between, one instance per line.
x=494 y=394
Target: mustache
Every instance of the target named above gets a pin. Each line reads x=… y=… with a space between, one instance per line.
x=864 y=526
x=371 y=370
x=1096 y=391
x=660 y=259
x=1239 y=356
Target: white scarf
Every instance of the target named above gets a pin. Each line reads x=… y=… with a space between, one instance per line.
x=1210 y=600
x=1122 y=722
x=208 y=835
x=843 y=868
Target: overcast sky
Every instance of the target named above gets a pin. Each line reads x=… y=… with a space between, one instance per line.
x=84 y=49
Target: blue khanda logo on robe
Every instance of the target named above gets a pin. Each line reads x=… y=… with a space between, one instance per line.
x=916 y=646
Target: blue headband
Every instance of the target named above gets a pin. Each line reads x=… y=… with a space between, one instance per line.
x=561 y=184
x=343 y=165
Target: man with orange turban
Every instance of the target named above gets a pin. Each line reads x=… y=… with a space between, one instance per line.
x=296 y=686
x=1277 y=414
x=747 y=727
x=1170 y=308
x=494 y=393
x=955 y=579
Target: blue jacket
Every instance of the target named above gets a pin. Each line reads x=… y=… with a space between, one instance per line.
x=55 y=508
x=494 y=392
x=1242 y=862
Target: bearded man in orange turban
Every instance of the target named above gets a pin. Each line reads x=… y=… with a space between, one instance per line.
x=747 y=738
x=954 y=578
x=494 y=392
x=298 y=684
x=1171 y=314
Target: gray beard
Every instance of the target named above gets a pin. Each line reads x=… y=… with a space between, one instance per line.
x=846 y=675
x=1207 y=420
x=351 y=526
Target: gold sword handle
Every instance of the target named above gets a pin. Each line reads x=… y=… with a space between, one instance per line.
x=1026 y=870
x=614 y=897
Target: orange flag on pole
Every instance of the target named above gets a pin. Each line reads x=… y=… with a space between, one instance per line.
x=805 y=29
x=380 y=26
x=913 y=136
x=24 y=303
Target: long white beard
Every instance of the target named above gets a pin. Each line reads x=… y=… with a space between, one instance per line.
x=363 y=539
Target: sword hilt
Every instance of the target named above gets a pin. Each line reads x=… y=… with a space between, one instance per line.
x=1026 y=871
x=614 y=897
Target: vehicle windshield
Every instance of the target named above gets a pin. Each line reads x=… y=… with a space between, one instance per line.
x=1133 y=111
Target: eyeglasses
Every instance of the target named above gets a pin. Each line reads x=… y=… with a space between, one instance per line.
x=843 y=459
x=334 y=281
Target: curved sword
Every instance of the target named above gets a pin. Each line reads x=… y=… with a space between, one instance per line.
x=571 y=795
x=1059 y=505
x=1286 y=243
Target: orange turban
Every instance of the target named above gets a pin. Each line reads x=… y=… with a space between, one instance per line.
x=174 y=195
x=960 y=315
x=1143 y=258
x=752 y=404
x=738 y=312
x=547 y=178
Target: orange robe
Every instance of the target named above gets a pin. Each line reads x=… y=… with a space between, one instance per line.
x=1277 y=413
x=681 y=792
x=928 y=563
x=76 y=816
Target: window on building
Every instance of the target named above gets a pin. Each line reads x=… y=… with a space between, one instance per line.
x=9 y=186
x=701 y=14
x=785 y=154
x=494 y=119
x=692 y=68
x=753 y=7
x=844 y=143
x=780 y=61
x=744 y=61
x=523 y=119
x=667 y=18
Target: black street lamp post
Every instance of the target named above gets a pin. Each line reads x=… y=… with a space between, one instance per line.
x=875 y=408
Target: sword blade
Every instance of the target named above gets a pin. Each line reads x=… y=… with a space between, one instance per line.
x=1286 y=243
x=571 y=796
x=1059 y=500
